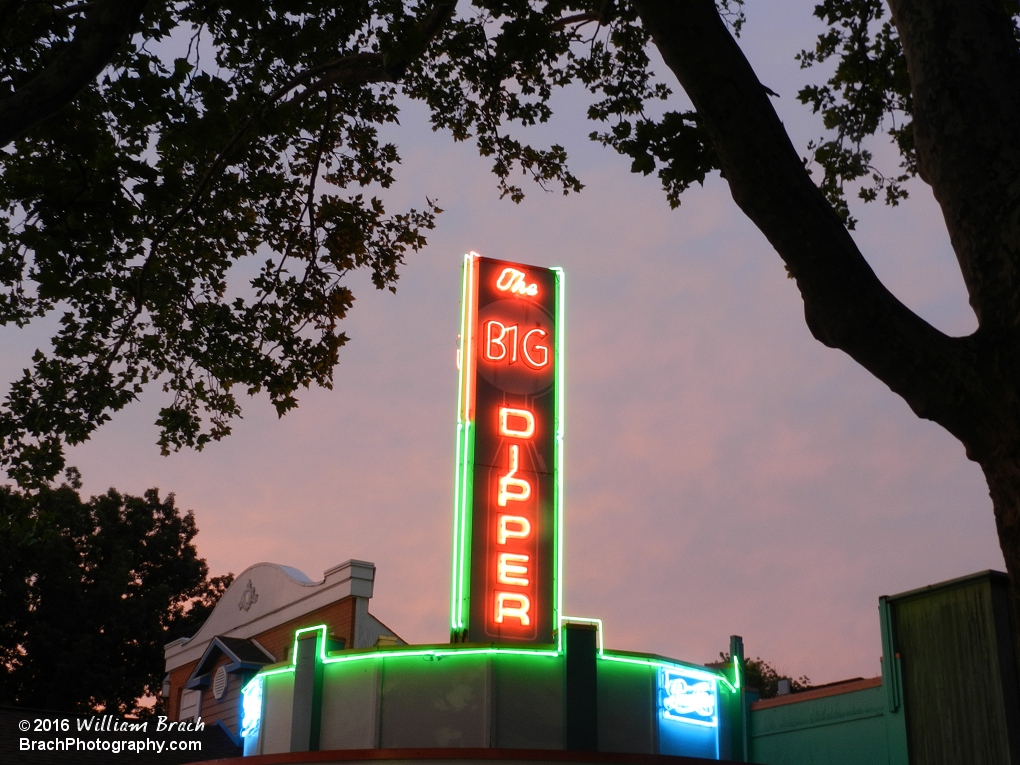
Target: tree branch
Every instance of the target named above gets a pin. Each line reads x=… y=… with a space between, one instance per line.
x=106 y=26
x=964 y=67
x=577 y=18
x=845 y=304
x=358 y=68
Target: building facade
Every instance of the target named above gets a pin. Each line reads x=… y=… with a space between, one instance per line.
x=253 y=627
x=948 y=692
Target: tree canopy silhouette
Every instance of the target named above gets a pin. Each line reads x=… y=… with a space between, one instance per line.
x=90 y=592
x=153 y=147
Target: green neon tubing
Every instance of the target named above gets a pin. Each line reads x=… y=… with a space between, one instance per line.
x=662 y=663
x=582 y=620
x=406 y=652
x=462 y=486
x=467 y=489
x=457 y=495
x=455 y=550
x=461 y=523
x=399 y=652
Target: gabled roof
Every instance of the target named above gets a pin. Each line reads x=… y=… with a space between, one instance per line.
x=267 y=595
x=243 y=653
x=244 y=650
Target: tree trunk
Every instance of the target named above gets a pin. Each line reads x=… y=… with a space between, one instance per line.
x=1003 y=477
x=964 y=66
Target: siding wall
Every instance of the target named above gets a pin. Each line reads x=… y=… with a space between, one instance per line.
x=178 y=679
x=279 y=641
x=852 y=728
x=959 y=674
x=226 y=710
x=948 y=696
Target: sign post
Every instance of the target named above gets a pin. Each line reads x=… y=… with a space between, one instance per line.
x=509 y=495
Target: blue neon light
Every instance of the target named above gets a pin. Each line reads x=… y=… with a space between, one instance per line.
x=687 y=698
x=251 y=709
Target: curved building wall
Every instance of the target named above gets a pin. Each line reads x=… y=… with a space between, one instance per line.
x=478 y=697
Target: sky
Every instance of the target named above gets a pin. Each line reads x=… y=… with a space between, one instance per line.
x=725 y=473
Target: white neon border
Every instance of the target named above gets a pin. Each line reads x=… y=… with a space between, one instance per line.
x=560 y=382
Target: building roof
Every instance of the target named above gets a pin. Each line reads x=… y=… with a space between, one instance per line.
x=819 y=691
x=265 y=596
x=243 y=653
x=245 y=650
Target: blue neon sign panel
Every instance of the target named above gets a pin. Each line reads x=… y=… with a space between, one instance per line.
x=687 y=698
x=251 y=714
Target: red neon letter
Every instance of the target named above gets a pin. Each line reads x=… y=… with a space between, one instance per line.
x=508 y=570
x=490 y=341
x=544 y=349
x=507 y=482
x=523 y=530
x=511 y=280
x=528 y=429
x=507 y=278
x=517 y=611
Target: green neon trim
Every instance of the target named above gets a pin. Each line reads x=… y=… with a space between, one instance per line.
x=455 y=545
x=293 y=655
x=277 y=671
x=322 y=642
x=465 y=454
x=664 y=663
x=583 y=620
x=461 y=524
x=458 y=496
x=558 y=418
x=442 y=652
x=736 y=673
x=466 y=525
x=400 y=652
x=381 y=653
x=459 y=499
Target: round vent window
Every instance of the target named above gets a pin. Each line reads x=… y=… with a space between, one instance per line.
x=219 y=683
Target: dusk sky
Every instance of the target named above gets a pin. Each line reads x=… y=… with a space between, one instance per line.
x=725 y=472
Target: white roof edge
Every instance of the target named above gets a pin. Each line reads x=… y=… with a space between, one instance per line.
x=296 y=574
x=280 y=599
x=351 y=565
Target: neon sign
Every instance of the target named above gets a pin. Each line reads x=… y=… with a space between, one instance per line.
x=687 y=698
x=251 y=708
x=512 y=280
x=509 y=448
x=504 y=346
x=526 y=422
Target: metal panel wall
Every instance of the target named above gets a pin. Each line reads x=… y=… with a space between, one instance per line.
x=527 y=702
x=627 y=711
x=350 y=706
x=276 y=714
x=430 y=702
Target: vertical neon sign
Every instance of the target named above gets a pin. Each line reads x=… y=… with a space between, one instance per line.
x=508 y=493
